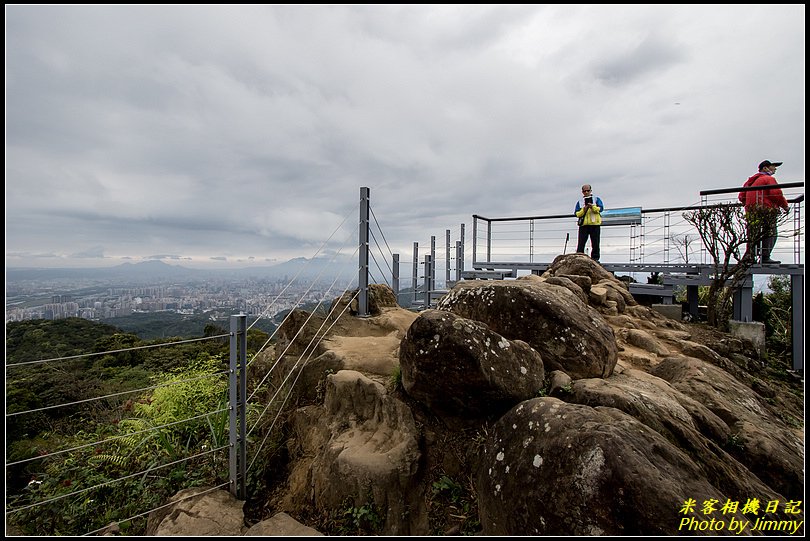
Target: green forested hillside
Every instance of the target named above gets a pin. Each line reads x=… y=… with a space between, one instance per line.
x=154 y=325
x=88 y=417
x=46 y=339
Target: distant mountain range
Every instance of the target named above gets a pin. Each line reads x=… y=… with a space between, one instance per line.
x=158 y=270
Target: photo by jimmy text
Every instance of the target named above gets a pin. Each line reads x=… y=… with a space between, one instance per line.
x=712 y=516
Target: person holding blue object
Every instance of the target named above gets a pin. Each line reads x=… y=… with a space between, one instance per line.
x=589 y=219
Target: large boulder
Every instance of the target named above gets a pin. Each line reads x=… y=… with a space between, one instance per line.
x=552 y=468
x=685 y=422
x=758 y=438
x=580 y=265
x=480 y=372
x=569 y=335
x=379 y=296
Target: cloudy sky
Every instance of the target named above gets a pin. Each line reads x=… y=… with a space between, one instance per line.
x=215 y=135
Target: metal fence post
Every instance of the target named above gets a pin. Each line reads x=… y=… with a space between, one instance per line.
x=237 y=403
x=415 y=269
x=395 y=276
x=474 y=241
x=460 y=257
x=447 y=259
x=362 y=281
x=428 y=273
x=432 y=262
x=666 y=236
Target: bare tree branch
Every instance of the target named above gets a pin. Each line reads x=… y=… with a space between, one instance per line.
x=729 y=233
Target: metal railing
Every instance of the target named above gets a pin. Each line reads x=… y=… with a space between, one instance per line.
x=662 y=237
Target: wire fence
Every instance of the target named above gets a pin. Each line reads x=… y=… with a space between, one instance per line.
x=84 y=451
x=662 y=235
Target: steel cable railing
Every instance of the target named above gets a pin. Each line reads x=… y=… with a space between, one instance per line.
x=292 y=386
x=292 y=340
x=151 y=346
x=95 y=444
x=520 y=241
x=110 y=395
x=325 y=243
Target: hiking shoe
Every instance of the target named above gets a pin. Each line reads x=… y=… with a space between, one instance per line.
x=770 y=261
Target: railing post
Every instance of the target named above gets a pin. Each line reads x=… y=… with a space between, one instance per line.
x=797 y=330
x=489 y=241
x=362 y=282
x=237 y=403
x=415 y=270
x=428 y=287
x=797 y=239
x=460 y=258
x=475 y=241
x=641 y=240
x=633 y=237
x=447 y=259
x=432 y=261
x=704 y=200
x=395 y=276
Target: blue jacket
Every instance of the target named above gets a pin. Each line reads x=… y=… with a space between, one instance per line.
x=592 y=216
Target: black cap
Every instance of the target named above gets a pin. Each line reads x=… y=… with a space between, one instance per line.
x=766 y=163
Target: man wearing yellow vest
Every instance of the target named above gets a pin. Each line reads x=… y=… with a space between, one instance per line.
x=589 y=219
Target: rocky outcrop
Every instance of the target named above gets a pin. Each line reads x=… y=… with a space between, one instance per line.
x=199 y=512
x=547 y=405
x=480 y=371
x=281 y=524
x=204 y=512
x=757 y=437
x=361 y=448
x=569 y=334
x=553 y=468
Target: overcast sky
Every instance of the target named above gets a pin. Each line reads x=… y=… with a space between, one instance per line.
x=215 y=136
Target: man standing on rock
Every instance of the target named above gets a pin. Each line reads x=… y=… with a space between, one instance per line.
x=589 y=219
x=762 y=208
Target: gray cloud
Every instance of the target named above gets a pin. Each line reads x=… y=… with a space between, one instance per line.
x=220 y=133
x=651 y=56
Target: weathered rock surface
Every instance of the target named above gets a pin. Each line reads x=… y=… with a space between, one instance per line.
x=569 y=335
x=361 y=447
x=199 y=512
x=281 y=524
x=637 y=416
x=759 y=439
x=553 y=468
x=205 y=512
x=480 y=371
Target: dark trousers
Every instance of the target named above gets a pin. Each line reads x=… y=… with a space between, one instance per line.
x=767 y=239
x=592 y=232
